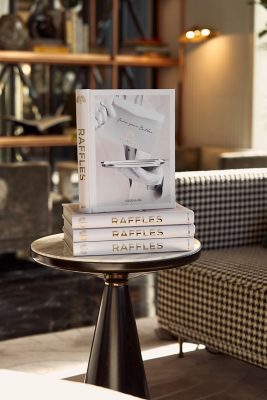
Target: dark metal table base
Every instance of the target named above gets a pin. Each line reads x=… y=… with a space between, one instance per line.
x=115 y=360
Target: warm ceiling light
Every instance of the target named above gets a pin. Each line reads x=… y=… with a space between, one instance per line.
x=205 y=32
x=196 y=35
x=189 y=34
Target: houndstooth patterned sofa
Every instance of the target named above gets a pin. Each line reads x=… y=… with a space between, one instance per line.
x=221 y=299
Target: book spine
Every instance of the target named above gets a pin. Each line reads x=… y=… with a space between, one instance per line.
x=131 y=246
x=68 y=30
x=79 y=35
x=82 y=124
x=156 y=232
x=86 y=37
x=110 y=220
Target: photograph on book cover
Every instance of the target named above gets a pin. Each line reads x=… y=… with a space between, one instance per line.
x=130 y=148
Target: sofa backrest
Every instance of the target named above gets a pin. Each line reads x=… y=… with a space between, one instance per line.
x=230 y=205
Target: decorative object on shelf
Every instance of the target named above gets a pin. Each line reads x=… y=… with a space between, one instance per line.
x=13 y=33
x=42 y=125
x=49 y=48
x=160 y=51
x=74 y=29
x=146 y=46
x=45 y=22
x=197 y=34
x=70 y=3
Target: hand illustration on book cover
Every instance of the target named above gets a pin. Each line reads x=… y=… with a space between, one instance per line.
x=130 y=127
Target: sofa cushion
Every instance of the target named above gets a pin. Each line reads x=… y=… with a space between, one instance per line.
x=219 y=300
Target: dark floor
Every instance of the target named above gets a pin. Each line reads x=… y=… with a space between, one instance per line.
x=36 y=299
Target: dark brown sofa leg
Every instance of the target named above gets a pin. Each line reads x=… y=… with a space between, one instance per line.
x=180 y=341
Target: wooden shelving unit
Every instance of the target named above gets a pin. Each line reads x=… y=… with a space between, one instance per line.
x=115 y=60
x=81 y=59
x=144 y=61
x=37 y=141
x=30 y=57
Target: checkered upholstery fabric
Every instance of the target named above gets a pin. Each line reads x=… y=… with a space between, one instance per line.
x=220 y=300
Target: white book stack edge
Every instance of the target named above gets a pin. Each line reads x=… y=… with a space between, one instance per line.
x=126 y=233
x=167 y=216
x=158 y=230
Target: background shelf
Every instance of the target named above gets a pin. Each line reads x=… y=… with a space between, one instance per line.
x=32 y=57
x=42 y=82
x=37 y=141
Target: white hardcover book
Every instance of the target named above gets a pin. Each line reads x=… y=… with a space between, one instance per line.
x=129 y=246
x=126 y=233
x=126 y=149
x=169 y=216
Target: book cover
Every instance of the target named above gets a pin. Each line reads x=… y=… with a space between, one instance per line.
x=120 y=219
x=129 y=246
x=125 y=149
x=126 y=233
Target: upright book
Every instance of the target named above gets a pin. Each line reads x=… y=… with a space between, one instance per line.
x=125 y=149
x=158 y=217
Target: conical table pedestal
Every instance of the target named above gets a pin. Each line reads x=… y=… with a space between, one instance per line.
x=115 y=360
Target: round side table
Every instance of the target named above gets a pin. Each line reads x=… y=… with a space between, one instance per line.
x=115 y=360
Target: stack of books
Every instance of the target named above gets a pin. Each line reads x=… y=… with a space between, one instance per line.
x=158 y=230
x=126 y=163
